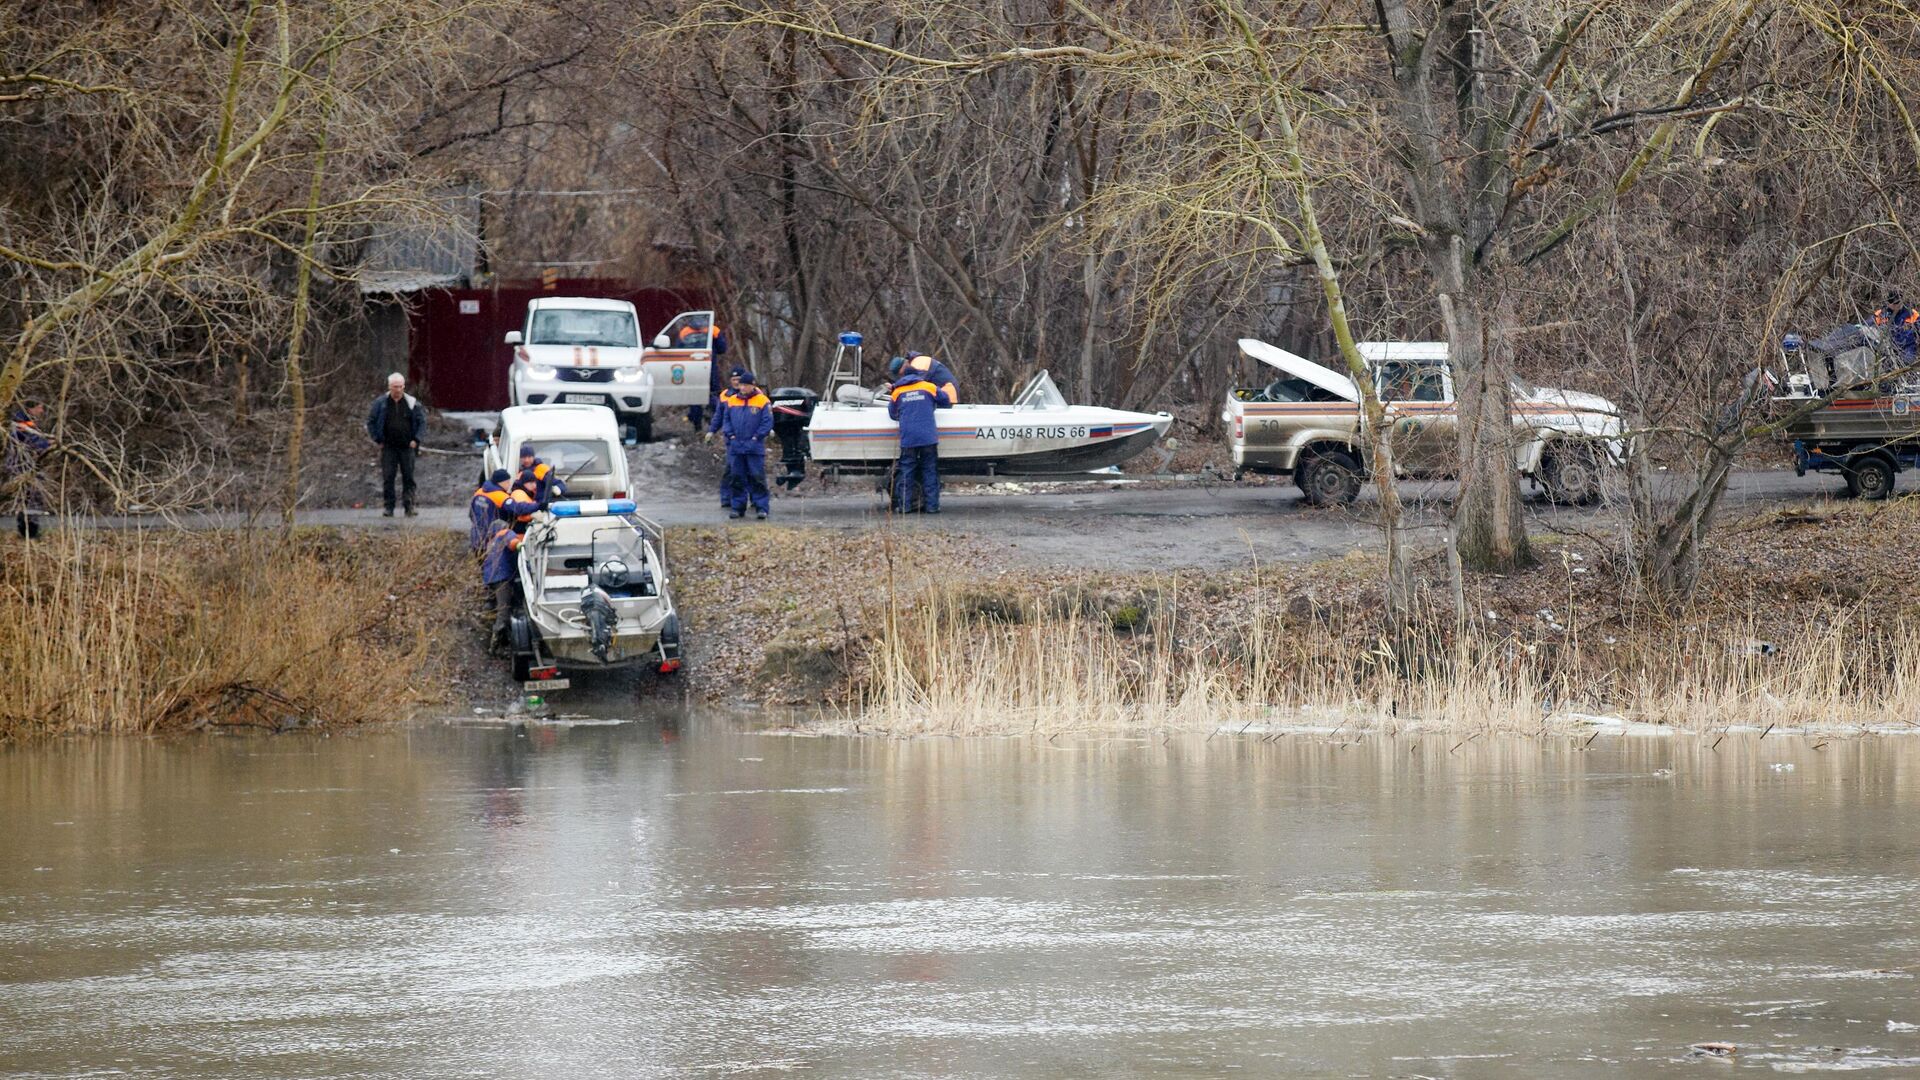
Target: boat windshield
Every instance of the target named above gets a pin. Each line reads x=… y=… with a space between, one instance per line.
x=576 y=457
x=1040 y=394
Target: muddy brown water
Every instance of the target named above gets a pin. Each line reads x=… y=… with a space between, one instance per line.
x=668 y=897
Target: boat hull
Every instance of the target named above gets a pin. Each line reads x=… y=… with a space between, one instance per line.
x=988 y=441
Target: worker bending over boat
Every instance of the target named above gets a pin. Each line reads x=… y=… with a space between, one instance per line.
x=500 y=572
x=484 y=509
x=914 y=403
x=930 y=369
x=746 y=424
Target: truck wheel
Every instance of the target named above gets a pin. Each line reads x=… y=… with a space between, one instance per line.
x=643 y=428
x=1870 y=478
x=1571 y=475
x=1330 y=479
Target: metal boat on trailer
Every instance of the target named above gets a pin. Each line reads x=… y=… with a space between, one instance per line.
x=594 y=577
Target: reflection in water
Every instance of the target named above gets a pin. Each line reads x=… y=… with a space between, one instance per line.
x=652 y=899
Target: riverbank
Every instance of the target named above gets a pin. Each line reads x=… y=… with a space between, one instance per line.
x=1806 y=618
x=152 y=632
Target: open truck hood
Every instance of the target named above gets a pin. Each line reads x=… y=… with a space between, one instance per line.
x=1300 y=368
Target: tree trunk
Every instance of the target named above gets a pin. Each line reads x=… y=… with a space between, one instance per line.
x=302 y=308
x=1489 y=525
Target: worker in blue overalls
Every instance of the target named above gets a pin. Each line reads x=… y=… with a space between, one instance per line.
x=484 y=509
x=746 y=425
x=728 y=398
x=914 y=403
x=500 y=571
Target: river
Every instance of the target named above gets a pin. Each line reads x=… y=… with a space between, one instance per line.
x=671 y=897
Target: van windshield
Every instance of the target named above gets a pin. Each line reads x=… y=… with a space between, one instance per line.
x=582 y=326
x=575 y=457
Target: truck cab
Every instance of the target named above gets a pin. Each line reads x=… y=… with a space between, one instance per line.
x=1305 y=424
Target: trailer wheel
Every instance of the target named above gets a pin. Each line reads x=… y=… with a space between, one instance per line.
x=1571 y=475
x=1331 y=478
x=520 y=639
x=1870 y=478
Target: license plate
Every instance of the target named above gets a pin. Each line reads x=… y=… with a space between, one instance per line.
x=582 y=399
x=549 y=684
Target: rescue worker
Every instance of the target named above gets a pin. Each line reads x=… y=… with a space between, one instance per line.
x=520 y=508
x=396 y=423
x=500 y=572
x=935 y=372
x=27 y=445
x=746 y=424
x=546 y=486
x=914 y=403
x=728 y=398
x=1900 y=323
x=697 y=334
x=484 y=509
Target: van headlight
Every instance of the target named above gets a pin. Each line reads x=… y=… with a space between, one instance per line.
x=540 y=371
x=629 y=374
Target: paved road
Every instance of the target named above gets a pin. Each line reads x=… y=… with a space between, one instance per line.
x=1122 y=526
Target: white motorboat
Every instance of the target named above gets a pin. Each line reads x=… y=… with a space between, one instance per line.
x=847 y=429
x=594 y=578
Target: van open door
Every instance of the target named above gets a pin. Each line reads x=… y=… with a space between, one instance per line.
x=680 y=359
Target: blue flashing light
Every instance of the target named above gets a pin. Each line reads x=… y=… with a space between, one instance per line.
x=593 y=508
x=851 y=338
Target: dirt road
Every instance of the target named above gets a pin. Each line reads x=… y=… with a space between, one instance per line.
x=1122 y=525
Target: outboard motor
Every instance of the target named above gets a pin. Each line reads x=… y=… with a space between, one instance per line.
x=602 y=620
x=792 y=412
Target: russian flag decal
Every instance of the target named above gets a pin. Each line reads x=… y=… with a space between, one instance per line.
x=1101 y=432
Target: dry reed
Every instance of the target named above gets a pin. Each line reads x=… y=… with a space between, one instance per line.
x=1168 y=658
x=142 y=632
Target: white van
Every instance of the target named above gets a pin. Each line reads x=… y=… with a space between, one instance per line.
x=577 y=350
x=581 y=442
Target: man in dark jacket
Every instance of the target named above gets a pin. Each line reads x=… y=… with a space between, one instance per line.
x=396 y=424
x=914 y=403
x=746 y=424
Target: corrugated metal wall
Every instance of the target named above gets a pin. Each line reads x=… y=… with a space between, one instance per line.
x=456 y=356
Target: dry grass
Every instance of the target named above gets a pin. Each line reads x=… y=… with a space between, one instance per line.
x=1791 y=632
x=942 y=667
x=165 y=631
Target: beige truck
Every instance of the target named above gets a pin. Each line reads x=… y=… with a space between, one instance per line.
x=1305 y=424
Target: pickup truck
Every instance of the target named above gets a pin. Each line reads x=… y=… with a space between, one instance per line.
x=1852 y=406
x=1305 y=424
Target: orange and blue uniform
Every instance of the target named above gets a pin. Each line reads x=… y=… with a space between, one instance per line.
x=484 y=509
x=914 y=403
x=746 y=424
x=935 y=372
